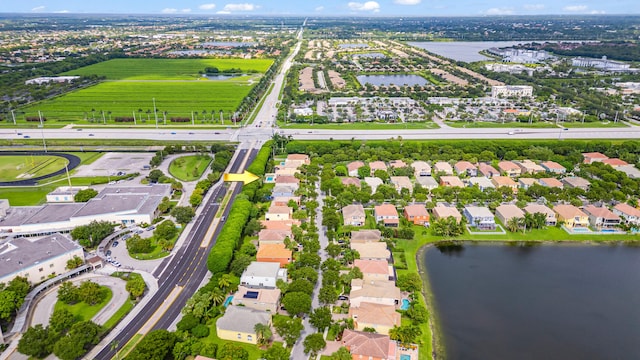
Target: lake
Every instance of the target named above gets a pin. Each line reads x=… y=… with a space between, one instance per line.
x=540 y=302
x=400 y=80
x=229 y=43
x=353 y=46
x=221 y=76
x=467 y=51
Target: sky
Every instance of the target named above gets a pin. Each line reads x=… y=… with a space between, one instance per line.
x=327 y=7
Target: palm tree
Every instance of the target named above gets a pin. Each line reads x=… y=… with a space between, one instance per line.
x=224 y=282
x=217 y=297
x=540 y=220
x=263 y=331
x=513 y=224
x=529 y=221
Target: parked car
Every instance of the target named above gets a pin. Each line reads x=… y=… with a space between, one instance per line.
x=116 y=264
x=115 y=243
x=108 y=253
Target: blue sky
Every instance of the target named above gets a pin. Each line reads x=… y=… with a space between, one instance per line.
x=327 y=7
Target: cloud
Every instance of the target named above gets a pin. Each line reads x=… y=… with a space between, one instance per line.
x=597 y=12
x=61 y=12
x=575 y=8
x=169 y=11
x=207 y=6
x=319 y=8
x=407 y=2
x=222 y=12
x=184 y=11
x=499 y=11
x=240 y=7
x=533 y=7
x=366 y=6
x=38 y=8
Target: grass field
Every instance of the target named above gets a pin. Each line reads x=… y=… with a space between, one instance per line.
x=484 y=124
x=83 y=311
x=360 y=126
x=189 y=168
x=25 y=167
x=254 y=352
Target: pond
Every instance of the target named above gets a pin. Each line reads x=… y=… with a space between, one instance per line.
x=537 y=302
x=373 y=55
x=221 y=76
x=400 y=80
x=229 y=43
x=353 y=46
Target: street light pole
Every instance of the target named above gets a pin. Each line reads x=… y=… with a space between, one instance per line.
x=44 y=142
x=155 y=113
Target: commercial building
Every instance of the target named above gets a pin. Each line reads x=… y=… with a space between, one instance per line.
x=512 y=91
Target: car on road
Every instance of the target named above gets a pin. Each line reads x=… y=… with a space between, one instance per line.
x=151 y=228
x=126 y=237
x=90 y=134
x=116 y=264
x=190 y=133
x=223 y=218
x=19 y=133
x=217 y=133
x=343 y=297
x=511 y=133
x=115 y=244
x=27 y=136
x=565 y=129
x=173 y=133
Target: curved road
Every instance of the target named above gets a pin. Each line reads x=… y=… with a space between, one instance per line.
x=73 y=160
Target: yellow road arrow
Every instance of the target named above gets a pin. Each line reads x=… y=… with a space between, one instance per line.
x=246 y=177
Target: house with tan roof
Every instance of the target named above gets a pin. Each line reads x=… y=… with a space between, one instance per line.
x=401 y=182
x=451 y=181
x=288 y=180
x=601 y=217
x=506 y=212
x=529 y=167
x=576 y=182
x=442 y=167
x=417 y=214
x=258 y=299
x=421 y=168
x=551 y=182
x=387 y=214
x=374 y=270
x=571 y=216
x=368 y=346
x=550 y=215
x=525 y=183
x=351 y=181
x=481 y=182
x=377 y=165
x=509 y=168
x=372 y=251
x=365 y=236
x=352 y=167
x=397 y=164
x=277 y=253
x=381 y=318
x=592 y=157
x=615 y=162
x=298 y=159
x=282 y=171
x=353 y=215
x=553 y=167
x=443 y=212
x=628 y=213
x=383 y=292
x=284 y=200
x=279 y=224
x=505 y=181
x=266 y=236
x=465 y=168
x=487 y=170
x=278 y=213
x=373 y=183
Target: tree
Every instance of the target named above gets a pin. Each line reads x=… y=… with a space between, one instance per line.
x=165 y=230
x=320 y=318
x=418 y=313
x=155 y=175
x=36 y=342
x=342 y=354
x=230 y=351
x=405 y=334
x=411 y=282
x=91 y=293
x=75 y=262
x=156 y=345
x=61 y=321
x=183 y=214
x=139 y=245
x=263 y=331
x=81 y=337
x=313 y=344
x=277 y=352
x=187 y=322
x=327 y=295
x=200 y=331
x=300 y=285
x=68 y=293
x=289 y=329
x=297 y=303
x=135 y=286
x=85 y=195
x=513 y=224
x=8 y=301
x=240 y=264
x=68 y=348
x=92 y=234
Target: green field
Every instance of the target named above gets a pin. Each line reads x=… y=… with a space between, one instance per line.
x=25 y=167
x=189 y=168
x=84 y=311
x=361 y=126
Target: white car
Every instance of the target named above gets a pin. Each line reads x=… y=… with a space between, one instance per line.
x=116 y=264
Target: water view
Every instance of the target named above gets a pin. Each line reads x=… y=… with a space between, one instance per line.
x=540 y=302
x=353 y=46
x=229 y=43
x=467 y=51
x=400 y=80
x=221 y=76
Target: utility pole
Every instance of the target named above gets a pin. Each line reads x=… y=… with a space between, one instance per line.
x=13 y=115
x=44 y=142
x=155 y=113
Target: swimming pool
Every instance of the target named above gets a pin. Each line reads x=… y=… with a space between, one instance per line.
x=405 y=304
x=228 y=301
x=269 y=179
x=405 y=357
x=580 y=230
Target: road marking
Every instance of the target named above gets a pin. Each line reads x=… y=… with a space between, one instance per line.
x=173 y=295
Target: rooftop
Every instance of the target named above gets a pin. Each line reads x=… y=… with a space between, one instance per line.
x=265 y=269
x=21 y=253
x=627 y=209
x=242 y=319
x=277 y=251
x=416 y=210
x=370 y=313
x=385 y=210
x=479 y=211
x=365 y=344
x=380 y=267
x=568 y=211
x=600 y=212
x=366 y=235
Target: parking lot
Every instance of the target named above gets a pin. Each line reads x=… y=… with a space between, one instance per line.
x=110 y=164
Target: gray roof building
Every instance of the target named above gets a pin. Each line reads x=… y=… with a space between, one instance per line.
x=242 y=319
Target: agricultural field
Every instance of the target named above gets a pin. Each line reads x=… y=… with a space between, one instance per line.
x=25 y=167
x=177 y=87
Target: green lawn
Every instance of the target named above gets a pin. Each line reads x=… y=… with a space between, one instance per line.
x=157 y=251
x=83 y=311
x=189 y=168
x=360 y=126
x=118 y=315
x=124 y=350
x=487 y=124
x=596 y=124
x=254 y=352
x=26 y=167
x=25 y=196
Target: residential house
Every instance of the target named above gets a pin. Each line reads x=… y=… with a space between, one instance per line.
x=353 y=215
x=631 y=171
x=387 y=214
x=451 y=181
x=372 y=251
x=276 y=253
x=381 y=318
x=443 y=212
x=279 y=224
x=278 y=213
x=288 y=180
x=443 y=168
x=373 y=183
x=615 y=162
x=369 y=346
x=509 y=168
x=529 y=167
x=374 y=270
x=417 y=214
x=576 y=182
x=534 y=208
x=553 y=167
x=479 y=217
x=283 y=190
x=487 y=170
x=525 y=183
x=601 y=217
x=630 y=214
x=382 y=292
x=348 y=181
x=505 y=181
x=397 y=164
x=427 y=182
x=465 y=168
x=571 y=216
x=352 y=167
x=592 y=157
x=551 y=182
x=281 y=171
x=365 y=236
x=258 y=299
x=298 y=159
x=421 y=168
x=284 y=200
x=266 y=236
x=482 y=182
x=262 y=275
x=238 y=324
x=506 y=212
x=377 y=165
x=401 y=182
